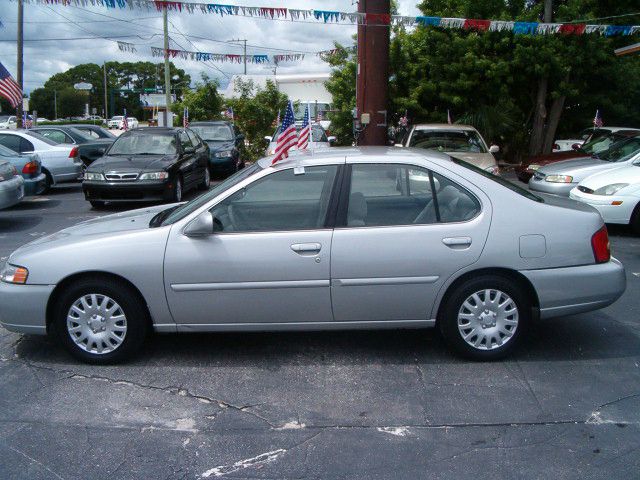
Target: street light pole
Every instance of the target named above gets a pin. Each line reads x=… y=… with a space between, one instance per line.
x=167 y=73
x=104 y=68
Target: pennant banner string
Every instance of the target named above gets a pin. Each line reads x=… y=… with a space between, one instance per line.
x=352 y=18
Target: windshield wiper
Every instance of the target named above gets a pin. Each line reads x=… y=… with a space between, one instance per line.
x=157 y=220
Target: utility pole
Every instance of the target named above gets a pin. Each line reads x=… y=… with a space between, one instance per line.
x=104 y=69
x=167 y=72
x=19 y=63
x=373 y=72
x=244 y=51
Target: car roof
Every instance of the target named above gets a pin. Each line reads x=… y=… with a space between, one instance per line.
x=442 y=126
x=211 y=122
x=158 y=130
x=338 y=155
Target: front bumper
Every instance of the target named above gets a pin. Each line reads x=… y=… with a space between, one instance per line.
x=11 y=192
x=36 y=185
x=571 y=290
x=552 y=188
x=603 y=203
x=23 y=308
x=139 y=191
x=223 y=165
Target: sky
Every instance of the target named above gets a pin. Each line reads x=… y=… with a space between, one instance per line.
x=51 y=43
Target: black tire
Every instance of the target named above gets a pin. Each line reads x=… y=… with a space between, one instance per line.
x=635 y=219
x=206 y=181
x=177 y=190
x=48 y=182
x=448 y=317
x=97 y=204
x=137 y=319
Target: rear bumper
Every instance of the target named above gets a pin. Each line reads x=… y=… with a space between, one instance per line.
x=127 y=191
x=11 y=192
x=36 y=185
x=23 y=308
x=570 y=290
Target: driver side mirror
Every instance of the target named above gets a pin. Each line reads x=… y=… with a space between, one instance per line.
x=203 y=225
x=190 y=150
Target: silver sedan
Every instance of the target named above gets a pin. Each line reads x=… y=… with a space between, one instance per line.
x=331 y=239
x=11 y=186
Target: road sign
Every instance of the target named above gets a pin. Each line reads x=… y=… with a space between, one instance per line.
x=83 y=86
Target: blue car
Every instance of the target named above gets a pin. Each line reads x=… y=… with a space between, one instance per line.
x=28 y=165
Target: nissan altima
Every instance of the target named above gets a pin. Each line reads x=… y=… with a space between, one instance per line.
x=328 y=239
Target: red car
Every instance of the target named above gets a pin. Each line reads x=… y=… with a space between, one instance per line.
x=599 y=141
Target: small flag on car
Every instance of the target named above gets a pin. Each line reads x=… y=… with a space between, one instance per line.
x=597 y=121
x=288 y=137
x=125 y=123
x=305 y=132
x=229 y=113
x=185 y=117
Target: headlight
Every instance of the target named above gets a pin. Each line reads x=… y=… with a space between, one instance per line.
x=493 y=169
x=610 y=189
x=93 y=176
x=558 y=178
x=223 y=154
x=14 y=274
x=154 y=176
x=533 y=167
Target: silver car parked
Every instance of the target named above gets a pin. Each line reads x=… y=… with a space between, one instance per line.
x=328 y=239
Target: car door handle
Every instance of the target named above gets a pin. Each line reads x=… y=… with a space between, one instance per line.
x=306 y=248
x=457 y=242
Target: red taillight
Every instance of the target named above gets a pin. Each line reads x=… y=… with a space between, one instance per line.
x=30 y=168
x=73 y=153
x=600 y=245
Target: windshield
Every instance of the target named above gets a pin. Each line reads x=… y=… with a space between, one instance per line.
x=621 y=151
x=448 y=141
x=41 y=138
x=171 y=215
x=505 y=183
x=213 y=133
x=601 y=142
x=317 y=133
x=316 y=110
x=144 y=144
x=116 y=118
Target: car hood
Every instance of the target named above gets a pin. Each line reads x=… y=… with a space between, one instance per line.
x=628 y=174
x=95 y=229
x=567 y=167
x=133 y=163
x=481 y=160
x=217 y=146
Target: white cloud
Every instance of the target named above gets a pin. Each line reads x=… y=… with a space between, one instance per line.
x=44 y=58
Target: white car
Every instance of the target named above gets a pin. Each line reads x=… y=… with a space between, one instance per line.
x=614 y=193
x=60 y=163
x=587 y=135
x=118 y=122
x=7 y=122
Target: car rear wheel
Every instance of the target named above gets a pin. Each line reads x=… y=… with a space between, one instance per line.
x=99 y=321
x=48 y=182
x=177 y=190
x=485 y=317
x=635 y=219
x=206 y=182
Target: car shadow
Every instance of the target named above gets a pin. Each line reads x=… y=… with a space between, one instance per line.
x=574 y=338
x=34 y=203
x=13 y=224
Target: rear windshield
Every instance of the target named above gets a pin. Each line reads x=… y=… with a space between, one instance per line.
x=41 y=138
x=505 y=183
x=448 y=141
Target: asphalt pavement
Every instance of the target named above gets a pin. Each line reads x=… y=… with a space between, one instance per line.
x=329 y=405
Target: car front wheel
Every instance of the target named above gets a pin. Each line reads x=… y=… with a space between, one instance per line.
x=206 y=181
x=485 y=318
x=100 y=321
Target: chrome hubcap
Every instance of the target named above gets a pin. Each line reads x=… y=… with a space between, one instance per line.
x=488 y=319
x=96 y=323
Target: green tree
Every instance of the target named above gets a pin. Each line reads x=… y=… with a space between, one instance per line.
x=42 y=101
x=342 y=87
x=70 y=102
x=204 y=102
x=255 y=111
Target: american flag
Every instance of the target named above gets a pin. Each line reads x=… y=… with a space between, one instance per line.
x=185 y=117
x=305 y=132
x=9 y=89
x=287 y=137
x=26 y=120
x=229 y=113
x=597 y=121
x=125 y=123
